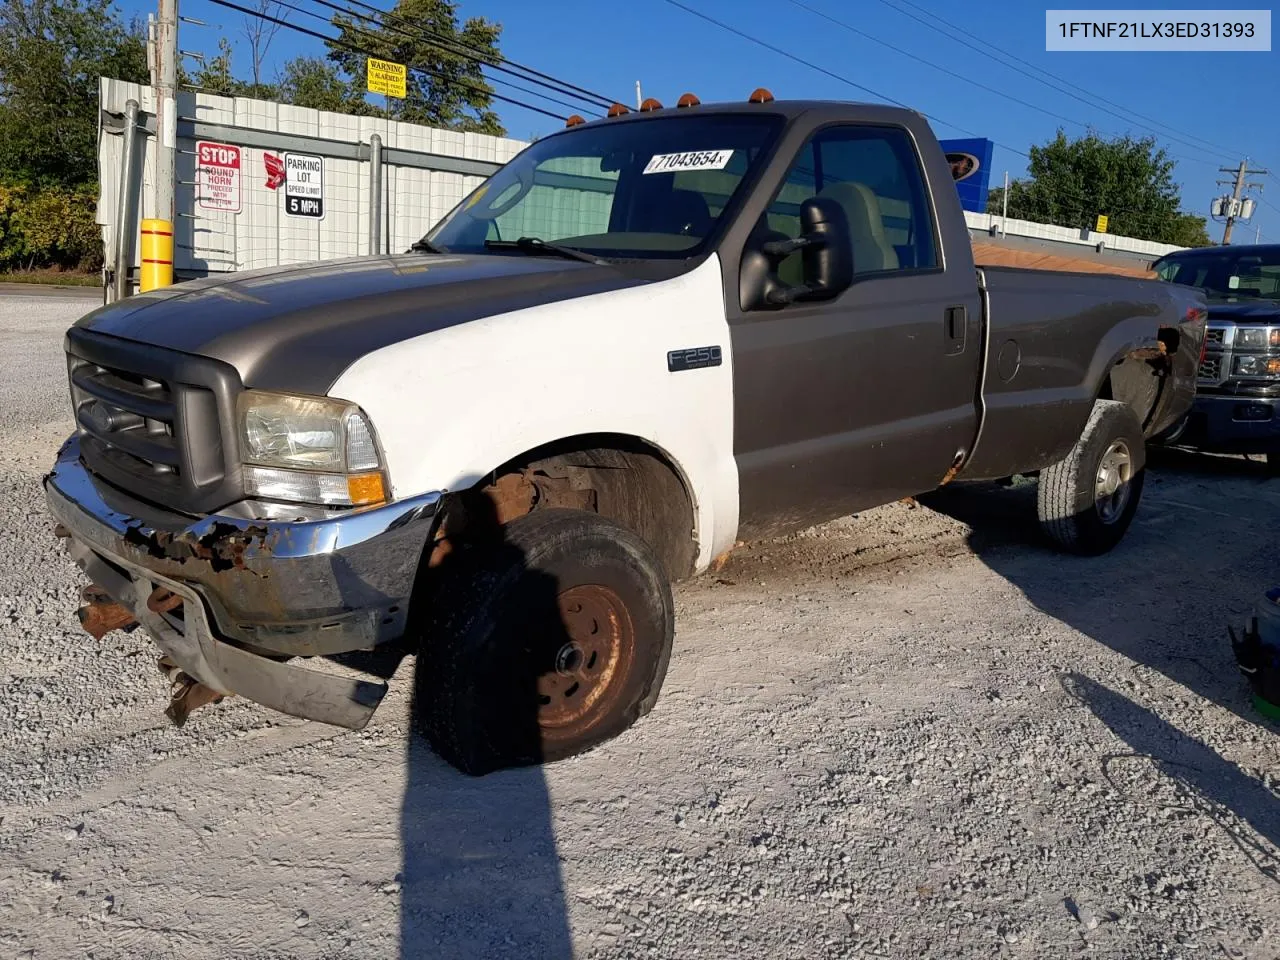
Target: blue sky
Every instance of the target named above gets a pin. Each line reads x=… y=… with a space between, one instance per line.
x=1227 y=99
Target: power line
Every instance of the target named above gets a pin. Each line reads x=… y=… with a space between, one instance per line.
x=337 y=42
x=1050 y=73
x=813 y=66
x=929 y=63
x=1071 y=91
x=1085 y=202
x=605 y=101
x=370 y=34
x=959 y=76
x=448 y=44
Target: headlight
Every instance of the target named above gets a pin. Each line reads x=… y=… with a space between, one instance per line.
x=1258 y=366
x=309 y=450
x=1257 y=338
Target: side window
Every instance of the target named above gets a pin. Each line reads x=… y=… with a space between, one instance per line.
x=874 y=174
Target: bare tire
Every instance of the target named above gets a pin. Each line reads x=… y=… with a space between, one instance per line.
x=1087 y=501
x=545 y=644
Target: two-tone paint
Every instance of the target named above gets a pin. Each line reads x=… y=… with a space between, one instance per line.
x=773 y=418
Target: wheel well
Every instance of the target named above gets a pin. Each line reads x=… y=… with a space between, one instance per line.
x=1138 y=377
x=623 y=478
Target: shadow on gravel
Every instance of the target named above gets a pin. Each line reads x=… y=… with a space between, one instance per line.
x=481 y=874
x=1208 y=784
x=1199 y=554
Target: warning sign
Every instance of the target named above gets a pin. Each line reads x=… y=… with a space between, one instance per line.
x=387 y=77
x=1101 y=226
x=303 y=186
x=218 y=176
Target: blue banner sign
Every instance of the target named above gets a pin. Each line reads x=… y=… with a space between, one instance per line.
x=971 y=166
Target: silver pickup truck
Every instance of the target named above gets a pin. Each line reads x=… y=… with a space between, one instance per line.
x=643 y=340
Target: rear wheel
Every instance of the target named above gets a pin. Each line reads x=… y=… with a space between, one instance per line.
x=1087 y=501
x=545 y=644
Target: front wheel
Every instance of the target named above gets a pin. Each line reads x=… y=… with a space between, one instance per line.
x=1087 y=501
x=544 y=644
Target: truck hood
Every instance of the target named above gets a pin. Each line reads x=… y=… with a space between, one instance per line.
x=296 y=328
x=1248 y=311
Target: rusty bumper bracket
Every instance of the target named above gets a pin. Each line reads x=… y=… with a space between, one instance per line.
x=186 y=693
x=101 y=614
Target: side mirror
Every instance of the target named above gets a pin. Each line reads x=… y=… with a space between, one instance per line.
x=826 y=253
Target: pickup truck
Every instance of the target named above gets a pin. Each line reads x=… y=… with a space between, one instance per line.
x=1237 y=406
x=644 y=340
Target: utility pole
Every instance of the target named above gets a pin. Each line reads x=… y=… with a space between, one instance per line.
x=639 y=102
x=1239 y=186
x=166 y=83
x=157 y=230
x=1004 y=205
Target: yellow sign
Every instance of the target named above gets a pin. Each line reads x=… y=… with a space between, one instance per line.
x=387 y=77
x=1102 y=224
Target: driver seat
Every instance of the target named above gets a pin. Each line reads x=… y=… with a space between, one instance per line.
x=683 y=212
x=872 y=250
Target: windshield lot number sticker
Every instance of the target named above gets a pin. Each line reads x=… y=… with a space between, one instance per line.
x=693 y=160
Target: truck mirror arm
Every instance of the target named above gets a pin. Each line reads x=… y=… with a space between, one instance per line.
x=779 y=250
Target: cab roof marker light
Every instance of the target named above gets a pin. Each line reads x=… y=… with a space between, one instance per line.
x=574 y=121
x=687 y=100
x=760 y=95
x=650 y=105
x=617 y=110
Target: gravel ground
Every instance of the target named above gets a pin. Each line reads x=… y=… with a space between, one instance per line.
x=910 y=733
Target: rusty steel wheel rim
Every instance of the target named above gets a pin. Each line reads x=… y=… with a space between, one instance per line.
x=589 y=668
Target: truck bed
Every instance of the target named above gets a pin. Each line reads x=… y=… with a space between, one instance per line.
x=987 y=254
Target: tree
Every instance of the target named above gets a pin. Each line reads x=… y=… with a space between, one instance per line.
x=259 y=32
x=1130 y=180
x=52 y=53
x=445 y=87
x=314 y=82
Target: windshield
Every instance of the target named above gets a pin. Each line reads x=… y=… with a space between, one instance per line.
x=646 y=188
x=1226 y=275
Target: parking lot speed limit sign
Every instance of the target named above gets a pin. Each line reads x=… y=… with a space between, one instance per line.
x=304 y=186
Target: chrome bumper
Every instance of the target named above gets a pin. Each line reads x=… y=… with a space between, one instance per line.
x=253 y=587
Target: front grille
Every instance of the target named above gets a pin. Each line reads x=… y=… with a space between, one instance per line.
x=1214 y=334
x=1211 y=369
x=152 y=421
x=126 y=418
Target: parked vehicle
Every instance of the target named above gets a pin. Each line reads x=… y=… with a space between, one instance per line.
x=643 y=340
x=1237 y=407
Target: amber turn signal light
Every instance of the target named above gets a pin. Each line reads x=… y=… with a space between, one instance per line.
x=366 y=488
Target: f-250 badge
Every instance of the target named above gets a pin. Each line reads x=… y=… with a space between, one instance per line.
x=693 y=358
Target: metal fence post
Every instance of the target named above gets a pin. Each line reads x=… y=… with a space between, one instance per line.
x=375 y=194
x=123 y=241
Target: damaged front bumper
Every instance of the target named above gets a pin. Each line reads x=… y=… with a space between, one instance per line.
x=254 y=593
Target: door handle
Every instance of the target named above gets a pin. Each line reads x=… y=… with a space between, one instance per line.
x=955 y=327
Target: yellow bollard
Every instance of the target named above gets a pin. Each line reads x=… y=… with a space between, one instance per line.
x=157 y=255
